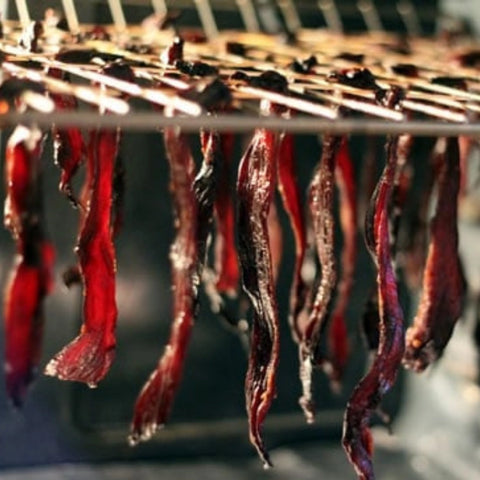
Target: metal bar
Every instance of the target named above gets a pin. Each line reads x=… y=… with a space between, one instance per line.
x=409 y=16
x=290 y=14
x=370 y=15
x=331 y=15
x=23 y=13
x=148 y=121
x=160 y=7
x=205 y=13
x=118 y=16
x=247 y=11
x=71 y=16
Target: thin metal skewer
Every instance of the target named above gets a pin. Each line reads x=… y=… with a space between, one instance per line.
x=247 y=11
x=160 y=7
x=409 y=16
x=118 y=16
x=290 y=14
x=23 y=14
x=370 y=15
x=71 y=16
x=207 y=19
x=331 y=15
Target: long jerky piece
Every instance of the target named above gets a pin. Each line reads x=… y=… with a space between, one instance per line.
x=255 y=186
x=155 y=399
x=31 y=278
x=367 y=395
x=338 y=347
x=443 y=281
x=226 y=257
x=290 y=194
x=320 y=199
x=89 y=356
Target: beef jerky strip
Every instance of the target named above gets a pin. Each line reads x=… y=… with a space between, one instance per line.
x=290 y=194
x=275 y=235
x=68 y=146
x=320 y=199
x=155 y=399
x=338 y=347
x=443 y=281
x=226 y=258
x=31 y=278
x=89 y=356
x=366 y=397
x=255 y=186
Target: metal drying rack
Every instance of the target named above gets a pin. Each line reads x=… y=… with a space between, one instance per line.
x=427 y=109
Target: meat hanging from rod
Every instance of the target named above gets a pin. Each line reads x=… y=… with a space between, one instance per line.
x=320 y=199
x=89 y=356
x=255 y=187
x=444 y=287
x=154 y=402
x=31 y=277
x=338 y=345
x=367 y=395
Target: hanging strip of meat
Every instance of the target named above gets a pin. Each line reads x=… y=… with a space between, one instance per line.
x=338 y=347
x=155 y=399
x=89 y=356
x=68 y=146
x=31 y=278
x=444 y=285
x=320 y=199
x=290 y=194
x=226 y=258
x=255 y=186
x=367 y=395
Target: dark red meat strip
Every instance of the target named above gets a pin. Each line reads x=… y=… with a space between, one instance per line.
x=31 y=278
x=226 y=258
x=338 y=347
x=68 y=147
x=155 y=399
x=367 y=395
x=320 y=199
x=443 y=281
x=255 y=186
x=89 y=356
x=290 y=194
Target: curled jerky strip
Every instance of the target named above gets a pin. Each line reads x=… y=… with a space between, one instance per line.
x=154 y=402
x=255 y=186
x=367 y=395
x=31 y=277
x=443 y=281
x=320 y=199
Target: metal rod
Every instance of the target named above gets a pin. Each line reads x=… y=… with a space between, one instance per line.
x=148 y=121
x=23 y=14
x=409 y=16
x=290 y=14
x=331 y=15
x=160 y=7
x=370 y=15
x=71 y=16
x=118 y=16
x=247 y=11
x=205 y=13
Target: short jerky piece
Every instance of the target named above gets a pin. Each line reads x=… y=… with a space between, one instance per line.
x=338 y=347
x=154 y=402
x=290 y=194
x=31 y=277
x=68 y=146
x=255 y=186
x=88 y=357
x=367 y=395
x=320 y=201
x=444 y=286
